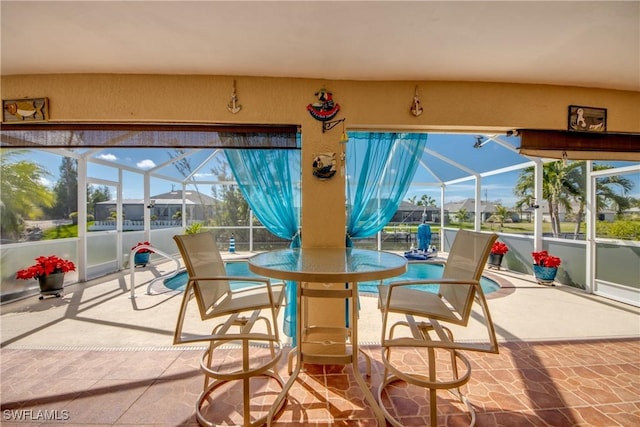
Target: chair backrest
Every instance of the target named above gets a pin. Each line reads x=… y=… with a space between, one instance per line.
x=466 y=261
x=202 y=259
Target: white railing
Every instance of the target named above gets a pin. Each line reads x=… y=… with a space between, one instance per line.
x=133 y=267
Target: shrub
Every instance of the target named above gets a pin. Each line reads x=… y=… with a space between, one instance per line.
x=194 y=228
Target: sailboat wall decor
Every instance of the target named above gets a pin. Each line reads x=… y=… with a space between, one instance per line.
x=325 y=108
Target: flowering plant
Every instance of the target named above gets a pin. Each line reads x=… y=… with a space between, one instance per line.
x=543 y=259
x=46 y=265
x=499 y=248
x=143 y=251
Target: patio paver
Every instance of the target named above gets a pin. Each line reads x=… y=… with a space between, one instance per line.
x=96 y=357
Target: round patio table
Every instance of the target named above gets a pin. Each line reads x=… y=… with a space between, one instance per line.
x=314 y=270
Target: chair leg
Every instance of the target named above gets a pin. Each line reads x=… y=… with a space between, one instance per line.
x=214 y=379
x=367 y=361
x=207 y=378
x=429 y=381
x=280 y=400
x=246 y=385
x=433 y=398
x=387 y=379
x=292 y=355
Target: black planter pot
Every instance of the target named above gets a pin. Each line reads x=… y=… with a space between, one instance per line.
x=51 y=284
x=495 y=261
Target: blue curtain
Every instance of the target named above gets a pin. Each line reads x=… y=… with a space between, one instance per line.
x=380 y=168
x=270 y=182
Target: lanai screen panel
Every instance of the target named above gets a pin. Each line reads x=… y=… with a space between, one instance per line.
x=145 y=135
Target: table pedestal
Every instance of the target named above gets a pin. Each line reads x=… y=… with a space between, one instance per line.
x=320 y=273
x=327 y=345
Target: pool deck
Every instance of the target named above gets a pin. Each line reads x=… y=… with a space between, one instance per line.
x=566 y=358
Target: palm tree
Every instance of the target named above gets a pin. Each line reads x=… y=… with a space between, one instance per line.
x=461 y=216
x=426 y=200
x=606 y=196
x=500 y=215
x=554 y=191
x=562 y=184
x=22 y=194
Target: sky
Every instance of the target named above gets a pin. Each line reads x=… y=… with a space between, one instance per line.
x=461 y=158
x=494 y=188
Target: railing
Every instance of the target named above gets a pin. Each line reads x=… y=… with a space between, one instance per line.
x=133 y=225
x=133 y=267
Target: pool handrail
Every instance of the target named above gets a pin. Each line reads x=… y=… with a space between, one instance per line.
x=132 y=267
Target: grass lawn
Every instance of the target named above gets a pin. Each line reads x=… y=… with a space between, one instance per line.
x=60 y=232
x=71 y=230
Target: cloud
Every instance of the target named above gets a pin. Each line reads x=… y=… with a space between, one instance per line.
x=203 y=175
x=107 y=156
x=146 y=164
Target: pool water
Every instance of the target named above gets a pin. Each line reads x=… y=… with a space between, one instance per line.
x=418 y=271
x=415 y=271
x=236 y=268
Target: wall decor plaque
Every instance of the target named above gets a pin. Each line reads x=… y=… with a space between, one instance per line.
x=587 y=119
x=325 y=108
x=324 y=165
x=25 y=110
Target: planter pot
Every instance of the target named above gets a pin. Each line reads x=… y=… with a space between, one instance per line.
x=495 y=260
x=51 y=284
x=545 y=275
x=141 y=259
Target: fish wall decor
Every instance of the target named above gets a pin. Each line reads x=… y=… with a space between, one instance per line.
x=25 y=110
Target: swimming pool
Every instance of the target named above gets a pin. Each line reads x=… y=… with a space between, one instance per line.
x=415 y=271
x=418 y=271
x=235 y=268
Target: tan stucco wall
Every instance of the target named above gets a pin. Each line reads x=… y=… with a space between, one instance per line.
x=455 y=106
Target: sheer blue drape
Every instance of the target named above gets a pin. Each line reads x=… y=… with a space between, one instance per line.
x=380 y=168
x=270 y=182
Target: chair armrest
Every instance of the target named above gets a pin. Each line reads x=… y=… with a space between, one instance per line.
x=406 y=283
x=239 y=278
x=432 y=282
x=258 y=280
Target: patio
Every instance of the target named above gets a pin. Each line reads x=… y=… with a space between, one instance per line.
x=96 y=357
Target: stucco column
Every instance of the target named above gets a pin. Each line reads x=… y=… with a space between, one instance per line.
x=323 y=216
x=323 y=201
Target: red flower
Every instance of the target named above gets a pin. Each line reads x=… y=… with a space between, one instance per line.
x=543 y=259
x=143 y=251
x=499 y=248
x=46 y=265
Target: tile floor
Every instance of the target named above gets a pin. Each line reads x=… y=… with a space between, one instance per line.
x=578 y=383
x=96 y=357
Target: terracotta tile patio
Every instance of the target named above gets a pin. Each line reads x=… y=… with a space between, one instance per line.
x=579 y=383
x=95 y=357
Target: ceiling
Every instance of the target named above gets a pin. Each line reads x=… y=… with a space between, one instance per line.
x=578 y=43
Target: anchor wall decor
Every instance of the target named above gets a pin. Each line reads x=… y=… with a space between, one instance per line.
x=416 y=108
x=233 y=105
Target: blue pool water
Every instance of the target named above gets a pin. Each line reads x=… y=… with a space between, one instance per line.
x=424 y=271
x=239 y=268
x=415 y=271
